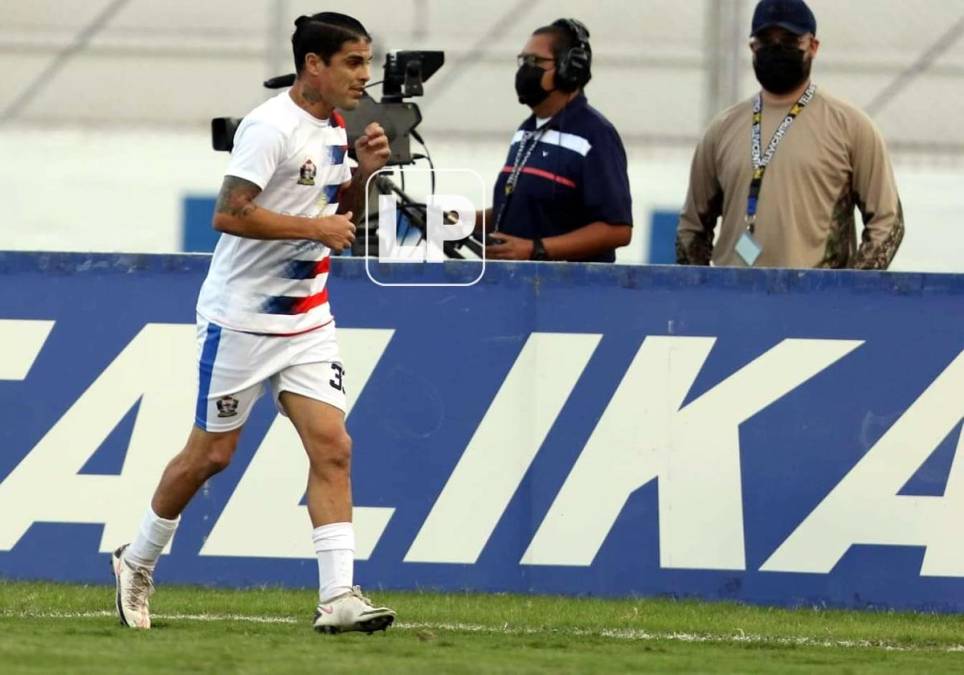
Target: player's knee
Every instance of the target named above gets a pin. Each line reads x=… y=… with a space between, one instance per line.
x=206 y=454
x=331 y=451
x=217 y=461
x=217 y=455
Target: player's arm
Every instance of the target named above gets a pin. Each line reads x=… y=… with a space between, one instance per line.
x=237 y=213
x=373 y=151
x=351 y=194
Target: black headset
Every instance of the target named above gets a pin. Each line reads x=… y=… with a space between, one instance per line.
x=574 y=69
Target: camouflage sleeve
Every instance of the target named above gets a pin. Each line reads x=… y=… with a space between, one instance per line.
x=704 y=204
x=877 y=198
x=877 y=253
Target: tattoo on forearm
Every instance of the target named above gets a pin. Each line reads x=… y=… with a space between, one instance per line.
x=236 y=197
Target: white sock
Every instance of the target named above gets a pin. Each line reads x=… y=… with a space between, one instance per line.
x=151 y=539
x=335 y=547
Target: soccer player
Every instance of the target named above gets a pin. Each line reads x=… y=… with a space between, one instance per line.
x=263 y=314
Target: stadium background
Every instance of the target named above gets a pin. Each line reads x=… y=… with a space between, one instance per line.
x=850 y=484
x=104 y=104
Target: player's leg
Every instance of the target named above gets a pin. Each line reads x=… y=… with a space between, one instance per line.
x=312 y=395
x=322 y=431
x=209 y=449
x=205 y=454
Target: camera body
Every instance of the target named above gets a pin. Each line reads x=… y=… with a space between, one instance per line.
x=406 y=71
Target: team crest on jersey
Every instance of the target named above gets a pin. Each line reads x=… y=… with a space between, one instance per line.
x=308 y=172
x=227 y=406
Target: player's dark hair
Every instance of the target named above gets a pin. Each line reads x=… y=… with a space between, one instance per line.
x=324 y=34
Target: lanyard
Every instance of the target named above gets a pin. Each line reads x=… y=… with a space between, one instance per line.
x=522 y=156
x=762 y=161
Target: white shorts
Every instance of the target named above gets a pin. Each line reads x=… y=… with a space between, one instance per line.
x=234 y=367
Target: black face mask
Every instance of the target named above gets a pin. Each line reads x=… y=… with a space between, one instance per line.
x=528 y=85
x=781 y=68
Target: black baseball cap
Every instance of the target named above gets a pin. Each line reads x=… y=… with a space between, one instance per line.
x=792 y=15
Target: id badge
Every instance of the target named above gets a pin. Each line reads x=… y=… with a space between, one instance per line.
x=748 y=249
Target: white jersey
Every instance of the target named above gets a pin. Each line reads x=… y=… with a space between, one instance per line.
x=277 y=287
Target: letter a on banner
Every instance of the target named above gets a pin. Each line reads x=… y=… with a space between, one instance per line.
x=866 y=507
x=157 y=367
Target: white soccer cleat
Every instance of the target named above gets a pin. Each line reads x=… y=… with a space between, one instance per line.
x=134 y=588
x=352 y=611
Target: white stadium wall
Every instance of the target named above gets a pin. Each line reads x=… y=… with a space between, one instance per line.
x=75 y=190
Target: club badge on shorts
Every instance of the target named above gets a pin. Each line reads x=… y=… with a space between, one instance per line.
x=227 y=406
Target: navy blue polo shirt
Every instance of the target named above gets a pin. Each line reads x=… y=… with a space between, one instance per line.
x=575 y=176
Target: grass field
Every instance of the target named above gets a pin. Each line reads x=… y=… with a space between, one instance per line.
x=72 y=629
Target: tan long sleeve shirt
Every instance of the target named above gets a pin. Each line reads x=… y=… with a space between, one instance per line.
x=832 y=159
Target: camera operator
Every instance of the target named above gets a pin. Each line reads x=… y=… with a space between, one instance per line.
x=564 y=192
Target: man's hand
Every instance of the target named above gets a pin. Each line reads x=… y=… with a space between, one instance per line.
x=511 y=248
x=336 y=232
x=372 y=149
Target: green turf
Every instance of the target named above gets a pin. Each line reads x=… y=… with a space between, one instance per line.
x=60 y=628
